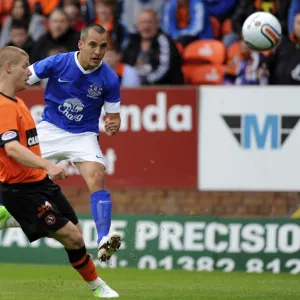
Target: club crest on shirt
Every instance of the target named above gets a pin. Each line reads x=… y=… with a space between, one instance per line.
x=94 y=91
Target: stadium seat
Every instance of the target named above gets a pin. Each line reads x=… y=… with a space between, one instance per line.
x=208 y=74
x=205 y=51
x=233 y=50
x=187 y=69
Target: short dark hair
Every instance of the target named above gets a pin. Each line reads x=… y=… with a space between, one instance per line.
x=27 y=14
x=20 y=24
x=98 y=28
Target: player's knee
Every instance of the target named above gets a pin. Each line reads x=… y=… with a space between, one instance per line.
x=75 y=240
x=96 y=180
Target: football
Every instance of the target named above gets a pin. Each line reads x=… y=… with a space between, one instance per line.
x=261 y=31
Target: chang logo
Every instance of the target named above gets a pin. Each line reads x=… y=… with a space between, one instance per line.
x=72 y=108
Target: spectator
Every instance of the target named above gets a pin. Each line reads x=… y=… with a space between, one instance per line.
x=5 y=8
x=105 y=11
x=19 y=36
x=242 y=68
x=21 y=11
x=284 y=64
x=221 y=9
x=133 y=8
x=88 y=11
x=153 y=53
x=294 y=8
x=60 y=35
x=245 y=8
x=73 y=10
x=128 y=75
x=220 y=12
x=187 y=20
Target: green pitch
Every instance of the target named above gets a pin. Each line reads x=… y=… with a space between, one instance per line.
x=30 y=282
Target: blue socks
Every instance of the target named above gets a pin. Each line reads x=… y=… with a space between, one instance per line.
x=101 y=209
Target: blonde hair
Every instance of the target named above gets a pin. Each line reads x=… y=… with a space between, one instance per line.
x=11 y=54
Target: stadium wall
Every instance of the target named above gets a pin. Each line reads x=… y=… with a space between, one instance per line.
x=212 y=150
x=191 y=202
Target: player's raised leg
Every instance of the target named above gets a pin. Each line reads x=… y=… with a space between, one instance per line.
x=101 y=208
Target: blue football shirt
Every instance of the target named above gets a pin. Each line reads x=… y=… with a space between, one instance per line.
x=74 y=97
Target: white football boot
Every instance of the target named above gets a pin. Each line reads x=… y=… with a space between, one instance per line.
x=108 y=246
x=104 y=291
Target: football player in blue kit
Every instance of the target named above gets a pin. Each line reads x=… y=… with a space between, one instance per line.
x=79 y=85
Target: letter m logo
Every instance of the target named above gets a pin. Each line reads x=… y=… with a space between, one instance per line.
x=266 y=132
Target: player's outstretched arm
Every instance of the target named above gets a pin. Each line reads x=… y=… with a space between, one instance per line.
x=27 y=158
x=112 y=123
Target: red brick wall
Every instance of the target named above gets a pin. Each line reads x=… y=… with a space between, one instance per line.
x=191 y=202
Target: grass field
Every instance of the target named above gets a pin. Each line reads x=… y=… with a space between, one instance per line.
x=29 y=282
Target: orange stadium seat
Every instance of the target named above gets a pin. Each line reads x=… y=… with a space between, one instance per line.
x=205 y=51
x=204 y=74
x=233 y=50
x=186 y=70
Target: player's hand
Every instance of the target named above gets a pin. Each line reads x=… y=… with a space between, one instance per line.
x=111 y=127
x=56 y=172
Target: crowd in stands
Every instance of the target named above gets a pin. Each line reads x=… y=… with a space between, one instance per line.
x=167 y=42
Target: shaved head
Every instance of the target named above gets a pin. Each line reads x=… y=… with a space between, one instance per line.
x=14 y=70
x=85 y=31
x=12 y=55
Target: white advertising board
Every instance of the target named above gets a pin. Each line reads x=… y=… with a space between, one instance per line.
x=249 y=138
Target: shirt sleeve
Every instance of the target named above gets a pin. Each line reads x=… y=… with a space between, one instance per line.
x=112 y=97
x=41 y=69
x=8 y=125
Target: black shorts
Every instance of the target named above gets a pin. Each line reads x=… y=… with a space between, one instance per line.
x=39 y=207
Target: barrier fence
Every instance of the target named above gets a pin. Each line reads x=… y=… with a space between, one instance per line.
x=188 y=243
